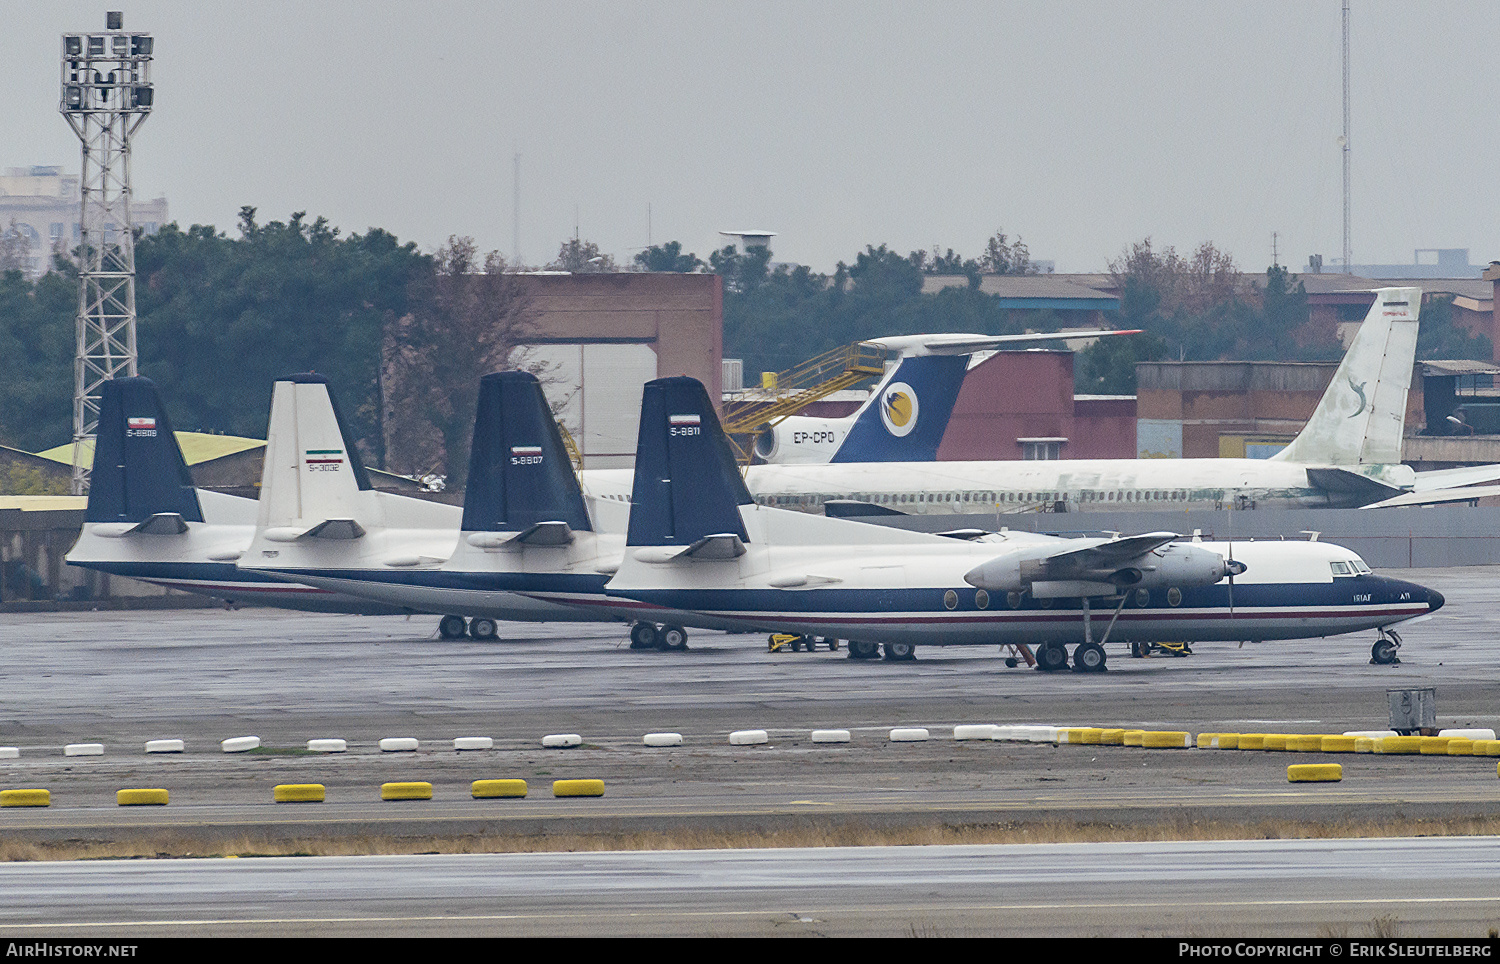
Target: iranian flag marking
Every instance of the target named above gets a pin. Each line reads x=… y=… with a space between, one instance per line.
x=525 y=450
x=140 y=423
x=325 y=456
x=683 y=420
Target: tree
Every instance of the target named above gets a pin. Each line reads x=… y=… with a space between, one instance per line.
x=15 y=249
x=582 y=257
x=668 y=257
x=1006 y=257
x=468 y=319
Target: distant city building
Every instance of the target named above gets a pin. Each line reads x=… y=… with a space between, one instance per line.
x=43 y=203
x=1425 y=263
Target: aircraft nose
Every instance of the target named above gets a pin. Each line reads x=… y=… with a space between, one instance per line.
x=1435 y=600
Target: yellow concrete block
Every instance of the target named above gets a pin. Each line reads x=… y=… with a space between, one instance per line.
x=1252 y=741
x=485 y=789
x=413 y=790
x=578 y=788
x=1167 y=739
x=25 y=798
x=1109 y=737
x=141 y=797
x=1132 y=737
x=1340 y=744
x=1399 y=744
x=1314 y=773
x=297 y=793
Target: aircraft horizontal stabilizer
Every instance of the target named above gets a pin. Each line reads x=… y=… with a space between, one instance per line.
x=341 y=529
x=725 y=545
x=853 y=509
x=160 y=524
x=541 y=534
x=916 y=346
x=1343 y=481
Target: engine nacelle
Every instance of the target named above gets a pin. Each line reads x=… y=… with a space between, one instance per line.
x=1179 y=564
x=801 y=440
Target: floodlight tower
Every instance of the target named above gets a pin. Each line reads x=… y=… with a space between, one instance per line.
x=106 y=95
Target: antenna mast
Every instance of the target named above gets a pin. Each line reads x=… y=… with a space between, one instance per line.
x=106 y=95
x=1345 y=139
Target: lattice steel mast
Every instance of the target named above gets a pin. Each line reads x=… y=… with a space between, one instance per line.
x=106 y=95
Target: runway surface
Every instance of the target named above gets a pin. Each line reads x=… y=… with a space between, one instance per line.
x=1346 y=888
x=203 y=676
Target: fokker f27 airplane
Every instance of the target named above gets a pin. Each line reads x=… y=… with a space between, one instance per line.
x=145 y=519
x=1348 y=455
x=698 y=544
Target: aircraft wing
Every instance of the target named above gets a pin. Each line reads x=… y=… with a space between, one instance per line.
x=1438 y=496
x=1111 y=553
x=961 y=344
x=1452 y=478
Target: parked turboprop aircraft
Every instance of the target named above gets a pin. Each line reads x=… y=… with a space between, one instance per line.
x=907 y=412
x=145 y=519
x=1348 y=455
x=524 y=518
x=699 y=544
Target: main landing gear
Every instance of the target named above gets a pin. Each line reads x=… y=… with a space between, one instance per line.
x=1383 y=653
x=645 y=635
x=456 y=627
x=893 y=652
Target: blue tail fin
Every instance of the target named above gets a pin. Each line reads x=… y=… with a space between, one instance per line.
x=138 y=469
x=519 y=471
x=687 y=484
x=906 y=416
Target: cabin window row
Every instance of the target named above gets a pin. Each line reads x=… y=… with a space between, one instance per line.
x=984 y=498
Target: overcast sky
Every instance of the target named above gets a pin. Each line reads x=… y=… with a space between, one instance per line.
x=1081 y=127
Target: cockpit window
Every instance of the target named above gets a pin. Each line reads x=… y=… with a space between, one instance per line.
x=1341 y=569
x=1359 y=566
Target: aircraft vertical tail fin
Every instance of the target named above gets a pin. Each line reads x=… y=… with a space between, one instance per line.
x=1362 y=415
x=519 y=471
x=313 y=472
x=687 y=483
x=907 y=414
x=138 y=469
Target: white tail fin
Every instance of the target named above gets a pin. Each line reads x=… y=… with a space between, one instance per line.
x=1363 y=413
x=313 y=474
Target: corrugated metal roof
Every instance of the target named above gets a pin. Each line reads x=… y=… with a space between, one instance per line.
x=196 y=447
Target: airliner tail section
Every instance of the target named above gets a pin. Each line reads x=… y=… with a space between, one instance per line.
x=907 y=414
x=520 y=476
x=687 y=483
x=139 y=471
x=1362 y=415
x=313 y=472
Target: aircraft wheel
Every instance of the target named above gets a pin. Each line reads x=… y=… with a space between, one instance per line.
x=1383 y=653
x=643 y=636
x=453 y=627
x=1051 y=657
x=859 y=649
x=833 y=644
x=1089 y=658
x=900 y=652
x=1011 y=662
x=483 y=628
x=673 y=639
